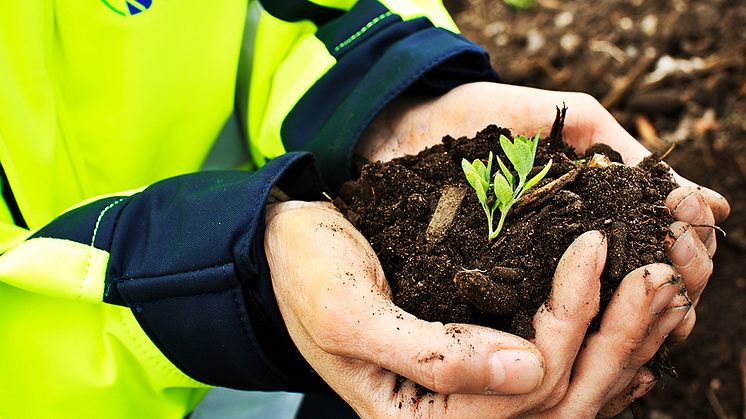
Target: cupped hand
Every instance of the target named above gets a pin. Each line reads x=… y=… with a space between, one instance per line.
x=411 y=124
x=338 y=310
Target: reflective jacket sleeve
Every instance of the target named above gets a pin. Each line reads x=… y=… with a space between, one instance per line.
x=137 y=301
x=322 y=70
x=134 y=303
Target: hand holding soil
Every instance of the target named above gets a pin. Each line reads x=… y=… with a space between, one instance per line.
x=386 y=362
x=343 y=321
x=412 y=124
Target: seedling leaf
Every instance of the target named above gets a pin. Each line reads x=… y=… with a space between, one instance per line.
x=503 y=190
x=506 y=171
x=521 y=153
x=489 y=167
x=481 y=170
x=508 y=148
x=539 y=176
x=479 y=186
x=535 y=143
x=523 y=163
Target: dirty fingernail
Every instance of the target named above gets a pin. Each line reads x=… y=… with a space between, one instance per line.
x=684 y=249
x=665 y=294
x=515 y=372
x=671 y=318
x=688 y=208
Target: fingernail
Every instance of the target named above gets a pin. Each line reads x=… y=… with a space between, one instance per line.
x=515 y=372
x=686 y=317
x=665 y=294
x=684 y=249
x=671 y=318
x=688 y=208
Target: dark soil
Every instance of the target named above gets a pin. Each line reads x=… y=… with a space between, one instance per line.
x=614 y=50
x=461 y=277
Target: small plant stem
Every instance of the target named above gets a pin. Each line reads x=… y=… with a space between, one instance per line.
x=489 y=221
x=494 y=234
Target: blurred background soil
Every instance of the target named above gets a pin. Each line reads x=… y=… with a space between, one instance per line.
x=672 y=72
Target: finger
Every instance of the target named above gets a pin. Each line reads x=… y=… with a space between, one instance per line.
x=682 y=332
x=717 y=203
x=690 y=258
x=561 y=324
x=667 y=321
x=626 y=323
x=643 y=381
x=355 y=318
x=688 y=205
x=448 y=359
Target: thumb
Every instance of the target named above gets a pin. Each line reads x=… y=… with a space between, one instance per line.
x=445 y=358
x=341 y=299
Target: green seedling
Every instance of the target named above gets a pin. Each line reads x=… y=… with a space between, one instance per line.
x=507 y=190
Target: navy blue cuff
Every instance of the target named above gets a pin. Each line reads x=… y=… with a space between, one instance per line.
x=374 y=66
x=187 y=256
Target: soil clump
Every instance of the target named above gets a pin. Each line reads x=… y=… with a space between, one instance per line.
x=457 y=275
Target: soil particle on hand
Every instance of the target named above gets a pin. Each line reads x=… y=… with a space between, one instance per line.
x=431 y=357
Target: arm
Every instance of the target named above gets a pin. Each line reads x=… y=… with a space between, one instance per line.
x=143 y=314
x=343 y=67
x=137 y=302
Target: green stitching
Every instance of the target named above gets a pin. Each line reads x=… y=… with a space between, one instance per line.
x=100 y=216
x=362 y=30
x=113 y=9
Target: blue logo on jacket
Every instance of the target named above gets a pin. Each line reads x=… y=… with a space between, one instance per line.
x=128 y=7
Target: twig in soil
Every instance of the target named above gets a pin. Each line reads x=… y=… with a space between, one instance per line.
x=717 y=408
x=538 y=196
x=624 y=84
x=668 y=152
x=445 y=213
x=559 y=123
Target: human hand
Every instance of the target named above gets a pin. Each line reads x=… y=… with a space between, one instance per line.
x=337 y=307
x=411 y=124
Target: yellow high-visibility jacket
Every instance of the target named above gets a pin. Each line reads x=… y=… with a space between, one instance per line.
x=132 y=304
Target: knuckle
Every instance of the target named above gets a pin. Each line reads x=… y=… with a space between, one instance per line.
x=328 y=340
x=586 y=99
x=627 y=342
x=330 y=332
x=555 y=396
x=441 y=376
x=552 y=394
